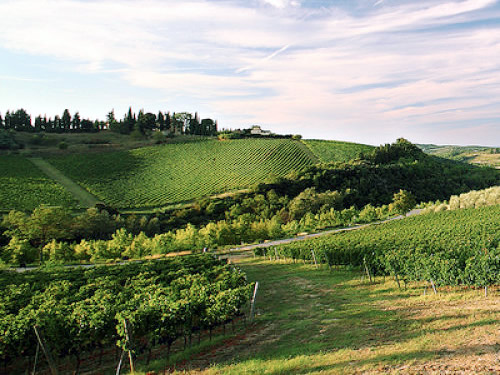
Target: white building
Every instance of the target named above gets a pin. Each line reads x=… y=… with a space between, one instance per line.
x=256 y=129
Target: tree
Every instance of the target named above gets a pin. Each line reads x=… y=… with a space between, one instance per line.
x=66 y=121
x=86 y=125
x=403 y=202
x=128 y=122
x=42 y=226
x=145 y=121
x=76 y=123
x=160 y=121
x=168 y=121
x=38 y=123
x=7 y=122
x=113 y=124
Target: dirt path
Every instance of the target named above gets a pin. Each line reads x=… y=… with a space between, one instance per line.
x=84 y=197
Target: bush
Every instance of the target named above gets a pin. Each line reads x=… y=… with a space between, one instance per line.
x=37 y=139
x=7 y=141
x=62 y=145
x=158 y=137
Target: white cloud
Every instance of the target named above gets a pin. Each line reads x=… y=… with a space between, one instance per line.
x=360 y=77
x=282 y=3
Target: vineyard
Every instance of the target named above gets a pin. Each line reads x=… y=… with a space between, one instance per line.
x=155 y=176
x=24 y=187
x=336 y=151
x=83 y=310
x=459 y=247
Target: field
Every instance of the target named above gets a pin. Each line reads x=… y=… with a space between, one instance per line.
x=460 y=247
x=24 y=187
x=159 y=175
x=336 y=151
x=316 y=321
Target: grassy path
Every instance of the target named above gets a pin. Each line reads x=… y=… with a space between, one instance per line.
x=313 y=321
x=84 y=197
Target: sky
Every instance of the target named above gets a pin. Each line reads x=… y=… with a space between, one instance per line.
x=367 y=71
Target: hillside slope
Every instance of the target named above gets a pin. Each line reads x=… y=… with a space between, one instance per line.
x=336 y=151
x=159 y=175
x=24 y=187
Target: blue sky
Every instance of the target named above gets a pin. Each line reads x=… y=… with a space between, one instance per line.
x=366 y=71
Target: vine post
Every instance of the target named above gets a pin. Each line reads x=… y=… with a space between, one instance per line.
x=252 y=303
x=46 y=352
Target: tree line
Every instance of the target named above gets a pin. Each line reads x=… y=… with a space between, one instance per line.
x=143 y=122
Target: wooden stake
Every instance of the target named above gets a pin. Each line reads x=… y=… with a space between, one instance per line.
x=367 y=271
x=45 y=350
x=433 y=287
x=118 y=368
x=397 y=280
x=252 y=303
x=130 y=354
x=36 y=358
x=314 y=258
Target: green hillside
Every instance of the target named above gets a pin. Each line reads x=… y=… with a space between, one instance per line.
x=336 y=151
x=24 y=187
x=159 y=175
x=479 y=155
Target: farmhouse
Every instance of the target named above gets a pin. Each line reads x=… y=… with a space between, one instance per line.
x=256 y=129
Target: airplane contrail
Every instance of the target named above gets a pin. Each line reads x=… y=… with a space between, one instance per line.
x=267 y=58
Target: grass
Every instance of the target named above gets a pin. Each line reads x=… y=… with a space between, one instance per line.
x=85 y=199
x=317 y=321
x=24 y=187
x=170 y=173
x=336 y=151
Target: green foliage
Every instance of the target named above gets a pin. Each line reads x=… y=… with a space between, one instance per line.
x=450 y=248
x=155 y=176
x=24 y=187
x=7 y=140
x=311 y=201
x=403 y=202
x=19 y=252
x=336 y=151
x=62 y=145
x=84 y=309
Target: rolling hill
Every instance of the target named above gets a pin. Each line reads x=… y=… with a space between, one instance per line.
x=160 y=175
x=336 y=151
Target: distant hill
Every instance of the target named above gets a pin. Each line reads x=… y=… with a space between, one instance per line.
x=480 y=155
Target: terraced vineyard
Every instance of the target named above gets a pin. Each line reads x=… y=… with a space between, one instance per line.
x=159 y=175
x=24 y=187
x=336 y=151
